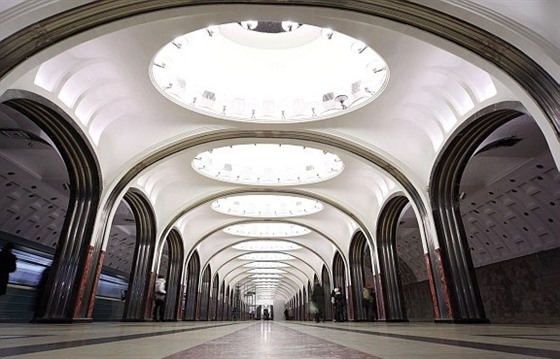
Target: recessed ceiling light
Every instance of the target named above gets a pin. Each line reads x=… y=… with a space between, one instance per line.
x=266 y=245
x=266 y=206
x=268 y=164
x=225 y=71
x=267 y=230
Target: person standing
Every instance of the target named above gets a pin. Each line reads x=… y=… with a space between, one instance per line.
x=367 y=302
x=339 y=304
x=7 y=266
x=159 y=299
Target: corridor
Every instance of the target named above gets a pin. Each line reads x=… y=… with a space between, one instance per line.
x=263 y=339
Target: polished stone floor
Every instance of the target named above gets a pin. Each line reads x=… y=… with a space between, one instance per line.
x=275 y=340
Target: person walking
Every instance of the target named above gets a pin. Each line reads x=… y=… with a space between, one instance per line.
x=7 y=266
x=318 y=300
x=159 y=299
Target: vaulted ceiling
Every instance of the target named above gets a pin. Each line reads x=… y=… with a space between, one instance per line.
x=100 y=77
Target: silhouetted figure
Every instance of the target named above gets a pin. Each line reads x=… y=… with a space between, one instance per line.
x=286 y=314
x=7 y=266
x=318 y=300
x=159 y=299
x=39 y=300
x=339 y=304
x=367 y=302
x=124 y=294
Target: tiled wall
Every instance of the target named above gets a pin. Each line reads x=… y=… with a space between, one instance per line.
x=522 y=290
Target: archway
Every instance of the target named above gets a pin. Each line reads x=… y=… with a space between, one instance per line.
x=509 y=207
x=393 y=303
x=326 y=281
x=69 y=293
x=204 y=304
x=339 y=276
x=413 y=273
x=193 y=275
x=222 y=301
x=454 y=254
x=362 y=276
x=111 y=292
x=175 y=260
x=138 y=306
x=214 y=300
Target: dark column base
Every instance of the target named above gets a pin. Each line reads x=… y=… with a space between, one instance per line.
x=62 y=320
x=393 y=320
x=463 y=321
x=136 y=320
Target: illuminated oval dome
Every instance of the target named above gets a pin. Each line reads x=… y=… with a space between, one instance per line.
x=267 y=230
x=268 y=71
x=268 y=164
x=266 y=257
x=266 y=265
x=266 y=206
x=266 y=245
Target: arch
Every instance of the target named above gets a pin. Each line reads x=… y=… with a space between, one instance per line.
x=361 y=272
x=174 y=272
x=453 y=255
x=71 y=285
x=141 y=282
x=226 y=302
x=193 y=275
x=287 y=281
x=204 y=302
x=221 y=302
x=213 y=301
x=540 y=85
x=390 y=290
x=339 y=276
x=346 y=145
x=325 y=279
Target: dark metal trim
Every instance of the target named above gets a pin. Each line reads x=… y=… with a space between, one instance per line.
x=139 y=295
x=193 y=275
x=70 y=270
x=444 y=195
x=174 y=275
x=388 y=259
x=357 y=247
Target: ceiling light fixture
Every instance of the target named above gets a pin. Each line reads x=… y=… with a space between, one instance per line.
x=267 y=230
x=266 y=265
x=266 y=257
x=269 y=164
x=266 y=245
x=233 y=62
x=266 y=206
x=267 y=271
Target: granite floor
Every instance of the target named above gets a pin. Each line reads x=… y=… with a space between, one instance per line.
x=275 y=340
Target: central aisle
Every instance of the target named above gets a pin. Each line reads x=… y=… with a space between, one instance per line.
x=267 y=339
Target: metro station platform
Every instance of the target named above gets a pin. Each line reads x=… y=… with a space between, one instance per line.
x=278 y=339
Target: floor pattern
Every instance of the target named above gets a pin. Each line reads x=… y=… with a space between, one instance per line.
x=278 y=340
x=268 y=340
